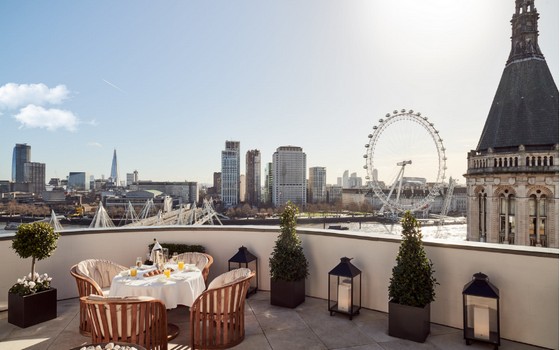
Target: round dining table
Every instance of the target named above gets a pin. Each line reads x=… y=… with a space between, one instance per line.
x=180 y=288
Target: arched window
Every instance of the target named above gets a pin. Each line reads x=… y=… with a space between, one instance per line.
x=527 y=161
x=516 y=161
x=537 y=219
x=545 y=161
x=551 y=163
x=482 y=201
x=539 y=161
x=507 y=218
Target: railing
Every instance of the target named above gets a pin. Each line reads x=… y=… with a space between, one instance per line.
x=526 y=276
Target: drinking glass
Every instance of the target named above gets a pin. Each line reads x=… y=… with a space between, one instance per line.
x=139 y=261
x=133 y=271
x=181 y=265
x=175 y=257
x=165 y=254
x=167 y=273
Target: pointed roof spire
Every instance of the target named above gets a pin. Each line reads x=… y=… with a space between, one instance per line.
x=525 y=108
x=524 y=32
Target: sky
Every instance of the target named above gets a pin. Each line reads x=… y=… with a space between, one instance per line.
x=166 y=83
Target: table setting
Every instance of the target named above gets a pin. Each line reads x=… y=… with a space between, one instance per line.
x=173 y=283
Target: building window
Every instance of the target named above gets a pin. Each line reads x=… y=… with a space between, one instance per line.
x=482 y=200
x=507 y=218
x=537 y=220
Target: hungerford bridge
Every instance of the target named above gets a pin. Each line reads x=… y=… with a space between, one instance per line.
x=185 y=215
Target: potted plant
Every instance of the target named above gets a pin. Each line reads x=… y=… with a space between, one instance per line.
x=412 y=286
x=288 y=265
x=32 y=300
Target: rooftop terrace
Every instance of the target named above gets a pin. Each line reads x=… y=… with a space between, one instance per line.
x=308 y=326
x=526 y=276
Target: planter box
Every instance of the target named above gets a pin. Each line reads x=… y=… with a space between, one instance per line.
x=409 y=322
x=287 y=294
x=28 y=310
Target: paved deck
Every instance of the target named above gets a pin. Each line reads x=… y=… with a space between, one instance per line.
x=307 y=327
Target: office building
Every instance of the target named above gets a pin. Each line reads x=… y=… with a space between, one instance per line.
x=20 y=156
x=288 y=176
x=78 y=181
x=253 y=177
x=114 y=178
x=34 y=175
x=230 y=174
x=317 y=185
x=267 y=188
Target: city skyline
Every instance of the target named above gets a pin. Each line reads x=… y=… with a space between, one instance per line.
x=166 y=85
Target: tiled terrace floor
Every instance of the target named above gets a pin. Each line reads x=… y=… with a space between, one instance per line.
x=307 y=327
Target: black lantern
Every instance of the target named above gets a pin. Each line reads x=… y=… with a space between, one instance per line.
x=244 y=258
x=481 y=311
x=345 y=288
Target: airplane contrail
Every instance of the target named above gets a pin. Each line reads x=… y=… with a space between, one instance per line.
x=115 y=86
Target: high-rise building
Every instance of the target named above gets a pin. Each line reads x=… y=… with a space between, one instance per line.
x=288 y=176
x=317 y=184
x=34 y=175
x=253 y=177
x=242 y=188
x=114 y=170
x=345 y=179
x=354 y=181
x=20 y=156
x=512 y=175
x=230 y=174
x=267 y=189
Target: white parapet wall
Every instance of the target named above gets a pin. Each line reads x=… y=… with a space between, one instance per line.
x=526 y=276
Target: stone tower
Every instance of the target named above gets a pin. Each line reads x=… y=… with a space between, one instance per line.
x=512 y=176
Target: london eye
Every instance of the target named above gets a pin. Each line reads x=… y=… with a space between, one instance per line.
x=405 y=161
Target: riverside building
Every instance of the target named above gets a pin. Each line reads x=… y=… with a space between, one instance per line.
x=512 y=175
x=288 y=176
x=230 y=190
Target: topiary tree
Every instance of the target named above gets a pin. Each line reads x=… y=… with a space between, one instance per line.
x=412 y=283
x=36 y=240
x=288 y=262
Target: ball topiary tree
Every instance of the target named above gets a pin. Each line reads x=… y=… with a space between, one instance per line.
x=288 y=262
x=36 y=240
x=413 y=282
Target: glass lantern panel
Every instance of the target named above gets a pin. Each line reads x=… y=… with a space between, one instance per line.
x=482 y=317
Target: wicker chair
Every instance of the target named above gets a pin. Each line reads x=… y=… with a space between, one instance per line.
x=217 y=317
x=201 y=260
x=93 y=276
x=136 y=320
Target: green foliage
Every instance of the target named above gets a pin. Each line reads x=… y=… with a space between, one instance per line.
x=36 y=240
x=288 y=262
x=181 y=248
x=412 y=283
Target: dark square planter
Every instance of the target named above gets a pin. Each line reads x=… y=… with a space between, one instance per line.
x=287 y=294
x=409 y=322
x=28 y=310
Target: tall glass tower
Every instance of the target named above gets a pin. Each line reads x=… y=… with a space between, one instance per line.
x=114 y=169
x=21 y=155
x=230 y=174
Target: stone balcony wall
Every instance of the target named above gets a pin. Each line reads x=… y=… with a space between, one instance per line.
x=526 y=276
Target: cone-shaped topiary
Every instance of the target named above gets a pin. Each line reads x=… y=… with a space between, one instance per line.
x=413 y=283
x=288 y=262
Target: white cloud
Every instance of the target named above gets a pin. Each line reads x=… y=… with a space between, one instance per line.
x=51 y=119
x=13 y=96
x=94 y=144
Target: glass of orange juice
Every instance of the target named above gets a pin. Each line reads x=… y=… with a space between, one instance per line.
x=181 y=265
x=167 y=273
x=133 y=271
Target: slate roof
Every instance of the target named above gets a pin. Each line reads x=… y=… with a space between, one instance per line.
x=524 y=110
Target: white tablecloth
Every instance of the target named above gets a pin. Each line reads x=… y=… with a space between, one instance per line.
x=181 y=288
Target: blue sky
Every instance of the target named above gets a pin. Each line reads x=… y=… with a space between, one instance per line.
x=166 y=83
